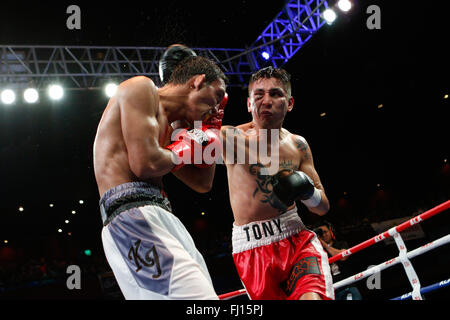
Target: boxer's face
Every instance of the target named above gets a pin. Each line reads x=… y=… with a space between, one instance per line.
x=205 y=100
x=269 y=102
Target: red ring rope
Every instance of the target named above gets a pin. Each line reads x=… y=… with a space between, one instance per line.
x=405 y=225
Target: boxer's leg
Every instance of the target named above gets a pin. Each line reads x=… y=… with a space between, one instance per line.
x=310 y=296
x=190 y=270
x=310 y=278
x=151 y=263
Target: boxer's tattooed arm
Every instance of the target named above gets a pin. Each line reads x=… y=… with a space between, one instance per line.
x=303 y=147
x=264 y=184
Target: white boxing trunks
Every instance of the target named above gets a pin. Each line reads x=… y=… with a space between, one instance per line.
x=149 y=250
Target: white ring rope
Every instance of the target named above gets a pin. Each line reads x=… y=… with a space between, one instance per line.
x=403 y=257
x=382 y=266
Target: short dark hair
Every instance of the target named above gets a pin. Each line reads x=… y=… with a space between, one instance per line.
x=270 y=72
x=192 y=66
x=173 y=55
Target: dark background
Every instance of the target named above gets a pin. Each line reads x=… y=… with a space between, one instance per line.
x=375 y=163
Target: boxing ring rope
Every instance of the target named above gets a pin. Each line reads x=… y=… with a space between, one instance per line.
x=433 y=287
x=403 y=255
x=387 y=264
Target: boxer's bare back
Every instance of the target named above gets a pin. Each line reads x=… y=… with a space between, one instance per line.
x=111 y=157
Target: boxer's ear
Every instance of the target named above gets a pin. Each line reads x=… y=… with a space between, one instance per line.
x=198 y=81
x=249 y=105
x=290 y=104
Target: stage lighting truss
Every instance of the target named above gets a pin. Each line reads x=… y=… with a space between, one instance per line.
x=92 y=67
x=294 y=25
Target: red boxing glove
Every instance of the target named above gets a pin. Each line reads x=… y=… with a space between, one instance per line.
x=190 y=147
x=215 y=120
x=209 y=151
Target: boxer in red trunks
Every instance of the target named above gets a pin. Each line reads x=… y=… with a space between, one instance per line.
x=275 y=255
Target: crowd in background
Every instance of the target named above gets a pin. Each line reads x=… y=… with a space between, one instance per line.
x=44 y=270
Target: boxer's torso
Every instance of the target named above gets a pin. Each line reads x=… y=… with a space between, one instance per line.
x=111 y=164
x=251 y=193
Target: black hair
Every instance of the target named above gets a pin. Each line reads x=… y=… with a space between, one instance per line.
x=192 y=66
x=173 y=55
x=270 y=72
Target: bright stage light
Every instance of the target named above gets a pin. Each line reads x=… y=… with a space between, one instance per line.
x=265 y=55
x=329 y=15
x=344 y=5
x=110 y=89
x=31 y=95
x=55 y=92
x=8 y=96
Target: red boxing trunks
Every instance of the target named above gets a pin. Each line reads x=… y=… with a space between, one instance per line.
x=279 y=259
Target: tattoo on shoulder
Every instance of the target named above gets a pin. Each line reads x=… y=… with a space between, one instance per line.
x=303 y=147
x=236 y=131
x=232 y=132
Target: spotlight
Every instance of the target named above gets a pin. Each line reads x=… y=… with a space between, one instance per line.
x=110 y=89
x=55 y=92
x=73 y=212
x=8 y=96
x=265 y=55
x=329 y=15
x=21 y=209
x=81 y=201
x=66 y=221
x=31 y=95
x=59 y=230
x=344 y=5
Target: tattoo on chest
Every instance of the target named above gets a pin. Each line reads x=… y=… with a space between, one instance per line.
x=264 y=184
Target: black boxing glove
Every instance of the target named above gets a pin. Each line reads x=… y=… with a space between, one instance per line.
x=171 y=58
x=289 y=185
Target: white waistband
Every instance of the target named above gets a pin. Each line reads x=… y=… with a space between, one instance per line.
x=261 y=233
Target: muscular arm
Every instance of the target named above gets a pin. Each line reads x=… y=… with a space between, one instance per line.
x=201 y=179
x=198 y=179
x=139 y=105
x=307 y=166
x=236 y=142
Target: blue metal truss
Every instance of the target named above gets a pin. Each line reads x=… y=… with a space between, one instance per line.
x=82 y=67
x=297 y=22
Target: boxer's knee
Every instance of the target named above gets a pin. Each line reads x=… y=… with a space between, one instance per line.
x=310 y=296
